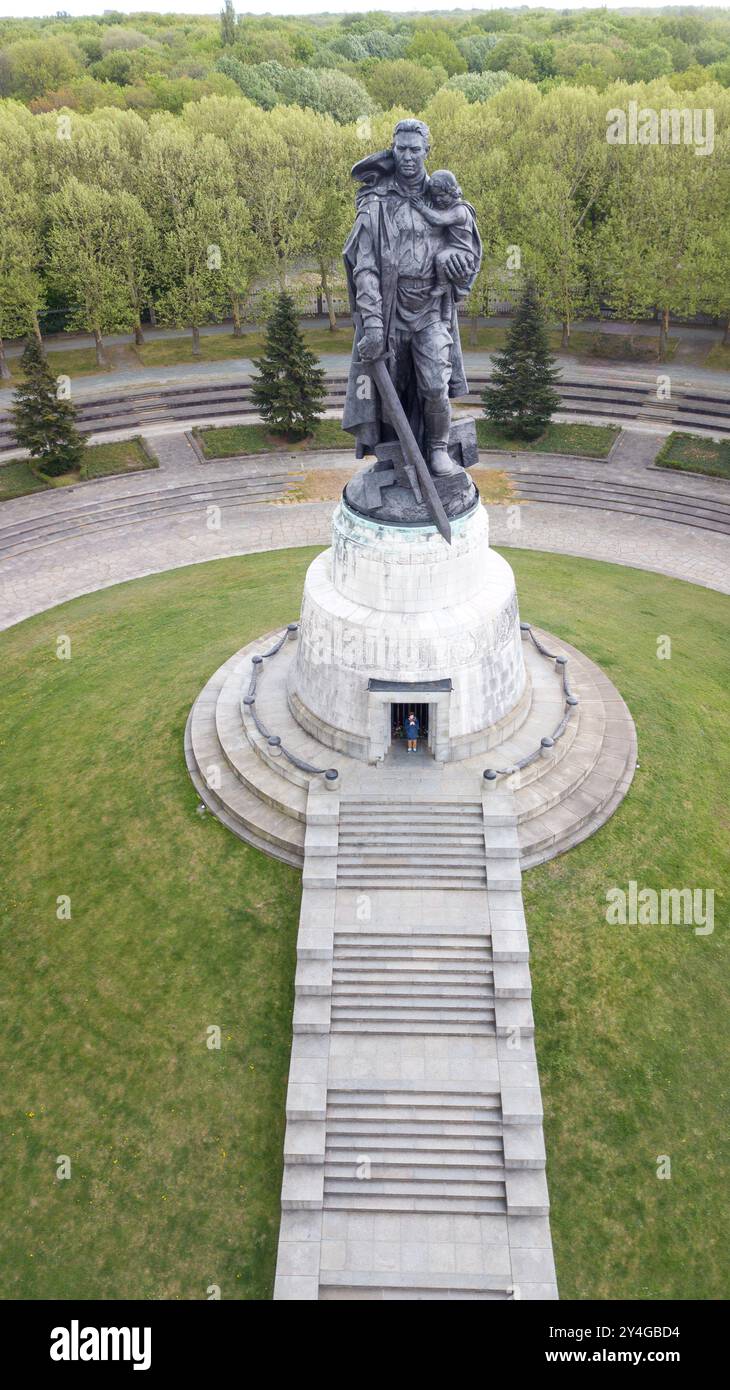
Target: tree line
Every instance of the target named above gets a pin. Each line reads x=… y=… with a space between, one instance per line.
x=350 y=65
x=123 y=218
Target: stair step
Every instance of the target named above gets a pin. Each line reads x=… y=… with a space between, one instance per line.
x=417 y=1187
x=384 y=858
x=345 y=994
x=434 y=1105
x=416 y=1014
x=416 y=1027
x=449 y=1111
x=370 y=975
x=452 y=1205
x=396 y=878
x=462 y=1132
x=404 y=951
x=405 y=1164
x=414 y=941
x=459 y=836
x=415 y=1145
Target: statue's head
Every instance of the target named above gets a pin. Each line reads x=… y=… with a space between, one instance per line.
x=411 y=144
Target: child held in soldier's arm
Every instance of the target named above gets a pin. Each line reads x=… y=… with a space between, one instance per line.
x=448 y=210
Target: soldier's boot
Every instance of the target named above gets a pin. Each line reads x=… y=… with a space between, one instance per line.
x=437 y=416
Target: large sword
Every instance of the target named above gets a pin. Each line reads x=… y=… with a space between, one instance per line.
x=399 y=420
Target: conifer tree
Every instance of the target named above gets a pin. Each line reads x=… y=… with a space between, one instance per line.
x=289 y=390
x=43 y=423
x=521 y=395
x=228 y=24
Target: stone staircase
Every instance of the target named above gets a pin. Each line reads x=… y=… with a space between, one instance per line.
x=414 y=1150
x=414 y=1156
x=432 y=985
x=402 y=844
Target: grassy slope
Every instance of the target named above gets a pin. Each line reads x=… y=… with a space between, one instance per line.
x=176 y=926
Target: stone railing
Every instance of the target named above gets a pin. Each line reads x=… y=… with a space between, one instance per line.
x=276 y=747
x=547 y=743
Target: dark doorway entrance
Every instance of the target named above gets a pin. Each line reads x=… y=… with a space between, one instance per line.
x=398 y=715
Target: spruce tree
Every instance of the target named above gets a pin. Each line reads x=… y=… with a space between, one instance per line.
x=520 y=396
x=289 y=390
x=42 y=423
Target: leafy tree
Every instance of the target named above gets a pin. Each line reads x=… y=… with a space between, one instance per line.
x=562 y=155
x=512 y=54
x=476 y=48
x=331 y=198
x=647 y=63
x=521 y=397
x=85 y=257
x=136 y=247
x=21 y=219
x=190 y=183
x=251 y=81
x=289 y=390
x=38 y=65
x=721 y=73
x=435 y=48
x=21 y=289
x=43 y=423
x=479 y=86
x=272 y=163
x=342 y=97
x=240 y=256
x=652 y=250
x=403 y=84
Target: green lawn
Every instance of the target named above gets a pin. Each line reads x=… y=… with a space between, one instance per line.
x=220 y=347
x=691 y=453
x=228 y=441
x=617 y=347
x=17 y=479
x=71 y=362
x=176 y=926
x=100 y=461
x=215 y=347
x=582 y=441
x=719 y=357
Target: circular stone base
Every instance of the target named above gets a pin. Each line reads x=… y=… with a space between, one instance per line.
x=561 y=798
x=393 y=608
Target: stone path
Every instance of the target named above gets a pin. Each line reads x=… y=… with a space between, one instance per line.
x=54 y=547
x=635 y=449
x=414 y=1154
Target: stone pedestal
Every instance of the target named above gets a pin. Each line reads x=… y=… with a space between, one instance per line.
x=394 y=614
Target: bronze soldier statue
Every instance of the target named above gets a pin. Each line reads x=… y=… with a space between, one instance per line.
x=413 y=254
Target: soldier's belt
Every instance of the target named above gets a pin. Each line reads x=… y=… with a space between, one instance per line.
x=410 y=283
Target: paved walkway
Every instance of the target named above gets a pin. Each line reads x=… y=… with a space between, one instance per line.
x=55 y=546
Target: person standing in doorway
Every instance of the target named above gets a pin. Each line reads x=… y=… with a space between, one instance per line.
x=413 y=729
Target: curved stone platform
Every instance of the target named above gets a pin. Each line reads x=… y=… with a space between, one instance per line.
x=560 y=799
